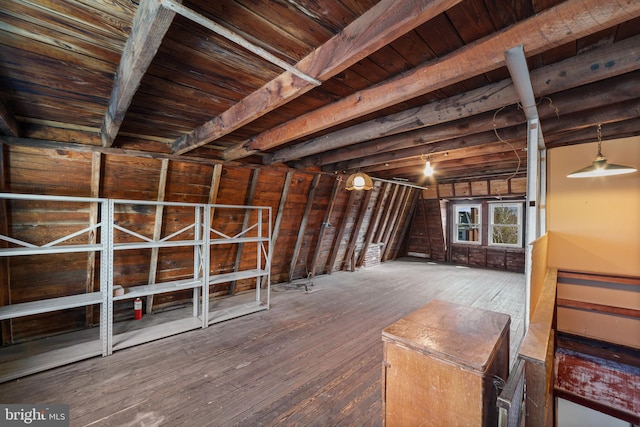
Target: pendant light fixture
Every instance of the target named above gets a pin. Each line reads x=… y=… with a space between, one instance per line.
x=600 y=166
x=359 y=181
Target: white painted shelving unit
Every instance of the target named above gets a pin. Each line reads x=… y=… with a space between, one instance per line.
x=123 y=238
x=252 y=233
x=29 y=363
x=118 y=235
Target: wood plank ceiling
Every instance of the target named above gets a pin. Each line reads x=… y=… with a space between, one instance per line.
x=373 y=86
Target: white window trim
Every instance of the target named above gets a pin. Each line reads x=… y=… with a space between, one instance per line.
x=490 y=224
x=455 y=224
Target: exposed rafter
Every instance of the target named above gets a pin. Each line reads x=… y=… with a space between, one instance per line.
x=149 y=27
x=567 y=110
x=553 y=27
x=380 y=25
x=561 y=76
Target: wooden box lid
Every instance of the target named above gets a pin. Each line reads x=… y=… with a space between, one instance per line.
x=459 y=334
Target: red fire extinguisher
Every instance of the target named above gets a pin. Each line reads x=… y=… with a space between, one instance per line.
x=137 y=309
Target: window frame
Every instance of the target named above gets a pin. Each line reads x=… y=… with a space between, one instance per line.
x=456 y=208
x=519 y=224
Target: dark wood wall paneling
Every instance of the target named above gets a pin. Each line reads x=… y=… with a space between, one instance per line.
x=426 y=236
x=356 y=219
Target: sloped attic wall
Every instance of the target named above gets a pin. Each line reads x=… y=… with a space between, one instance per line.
x=305 y=207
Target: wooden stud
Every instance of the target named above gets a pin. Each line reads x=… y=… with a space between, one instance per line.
x=157 y=230
x=96 y=172
x=426 y=224
x=375 y=220
x=276 y=226
x=323 y=229
x=388 y=210
x=303 y=225
x=393 y=222
x=343 y=227
x=247 y=217
x=349 y=257
x=413 y=199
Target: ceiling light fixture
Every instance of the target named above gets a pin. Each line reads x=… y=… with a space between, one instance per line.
x=428 y=169
x=359 y=181
x=600 y=167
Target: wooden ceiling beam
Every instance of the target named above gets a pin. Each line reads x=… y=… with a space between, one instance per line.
x=563 y=23
x=567 y=123
x=474 y=162
x=150 y=24
x=396 y=147
x=383 y=23
x=464 y=142
x=8 y=124
x=498 y=166
x=622 y=129
x=602 y=101
x=570 y=73
x=449 y=155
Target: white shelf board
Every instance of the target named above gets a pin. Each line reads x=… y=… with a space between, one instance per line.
x=236 y=311
x=234 y=240
x=236 y=275
x=50 y=304
x=158 y=288
x=50 y=250
x=156 y=332
x=163 y=244
x=41 y=362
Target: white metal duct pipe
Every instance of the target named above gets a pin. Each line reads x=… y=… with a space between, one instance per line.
x=517 y=65
x=536 y=162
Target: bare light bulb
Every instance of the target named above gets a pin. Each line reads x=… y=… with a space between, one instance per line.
x=428 y=170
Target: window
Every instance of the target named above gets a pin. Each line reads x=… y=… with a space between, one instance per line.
x=505 y=224
x=468 y=224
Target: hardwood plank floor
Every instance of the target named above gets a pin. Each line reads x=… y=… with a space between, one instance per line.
x=313 y=359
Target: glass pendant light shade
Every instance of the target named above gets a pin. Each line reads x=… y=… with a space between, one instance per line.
x=359 y=181
x=600 y=166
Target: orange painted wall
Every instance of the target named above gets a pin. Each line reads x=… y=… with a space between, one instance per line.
x=594 y=226
x=595 y=222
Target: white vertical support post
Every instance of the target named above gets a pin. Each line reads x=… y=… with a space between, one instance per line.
x=259 y=255
x=536 y=162
x=533 y=187
x=542 y=199
x=108 y=225
x=268 y=259
x=106 y=286
x=206 y=250
x=197 y=261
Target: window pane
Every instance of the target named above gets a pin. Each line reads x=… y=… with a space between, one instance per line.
x=468 y=221
x=468 y=233
x=505 y=234
x=468 y=215
x=505 y=215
